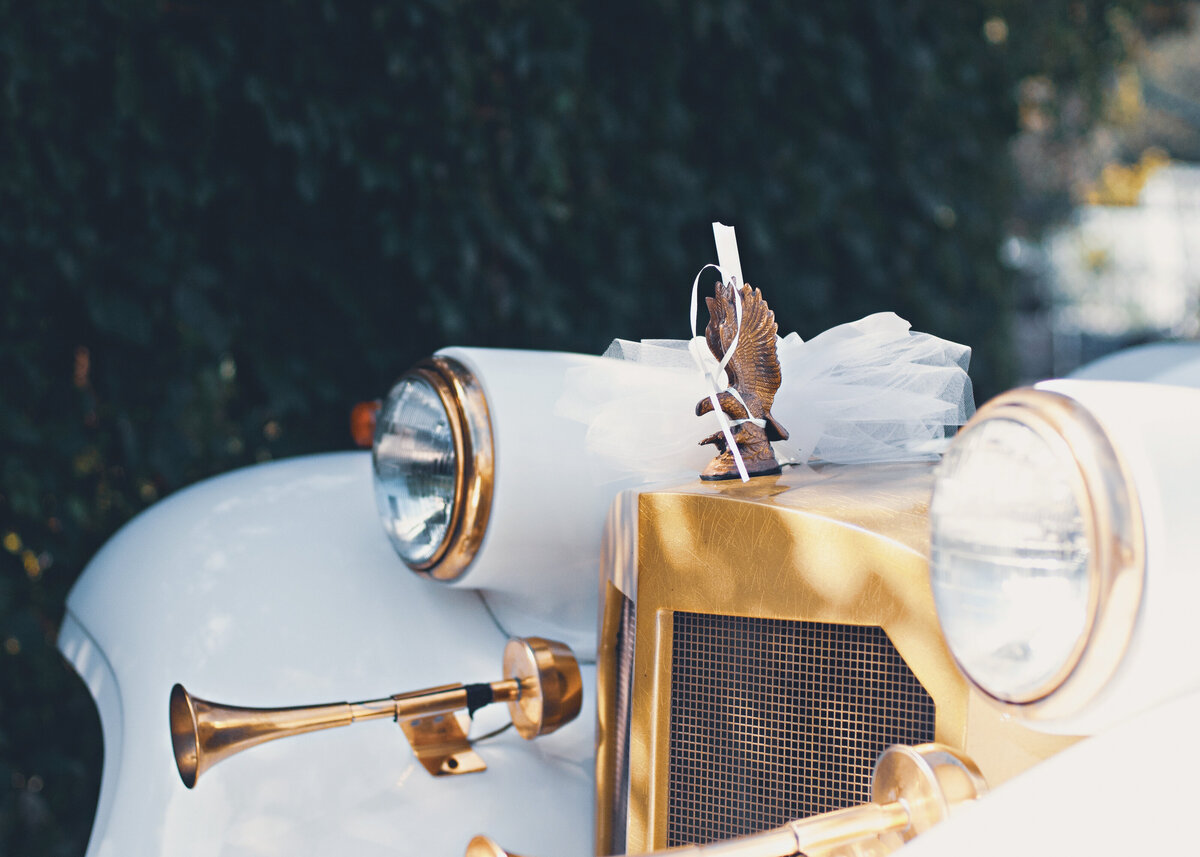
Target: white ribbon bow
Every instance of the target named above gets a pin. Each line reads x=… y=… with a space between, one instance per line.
x=714 y=371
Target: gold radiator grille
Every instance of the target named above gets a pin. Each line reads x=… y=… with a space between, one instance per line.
x=776 y=719
x=626 y=633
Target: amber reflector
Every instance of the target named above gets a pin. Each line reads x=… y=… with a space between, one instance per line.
x=362 y=423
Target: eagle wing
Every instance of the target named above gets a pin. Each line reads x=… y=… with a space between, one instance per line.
x=754 y=366
x=714 y=334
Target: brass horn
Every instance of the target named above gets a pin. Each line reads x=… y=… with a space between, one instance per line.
x=541 y=685
x=912 y=789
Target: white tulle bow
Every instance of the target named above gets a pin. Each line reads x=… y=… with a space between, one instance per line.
x=870 y=390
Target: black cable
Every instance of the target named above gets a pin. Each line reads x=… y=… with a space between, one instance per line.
x=492 y=734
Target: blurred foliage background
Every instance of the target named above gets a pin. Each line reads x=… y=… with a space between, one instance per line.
x=221 y=224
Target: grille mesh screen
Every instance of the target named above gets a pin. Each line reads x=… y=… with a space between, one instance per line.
x=773 y=720
x=626 y=634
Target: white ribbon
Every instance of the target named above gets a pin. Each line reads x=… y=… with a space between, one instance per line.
x=706 y=361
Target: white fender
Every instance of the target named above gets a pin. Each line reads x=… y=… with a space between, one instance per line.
x=275 y=586
x=1130 y=790
x=1151 y=426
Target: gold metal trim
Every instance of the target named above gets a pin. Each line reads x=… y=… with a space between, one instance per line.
x=441 y=745
x=466 y=408
x=930 y=781
x=1112 y=518
x=618 y=559
x=606 y=715
x=551 y=687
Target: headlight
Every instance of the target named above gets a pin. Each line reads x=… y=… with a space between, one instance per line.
x=1036 y=551
x=434 y=467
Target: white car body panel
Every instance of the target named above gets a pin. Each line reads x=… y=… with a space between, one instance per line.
x=275 y=586
x=1152 y=428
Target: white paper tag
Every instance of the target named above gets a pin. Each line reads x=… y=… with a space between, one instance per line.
x=727 y=253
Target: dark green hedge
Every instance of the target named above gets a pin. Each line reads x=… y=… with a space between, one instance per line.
x=223 y=223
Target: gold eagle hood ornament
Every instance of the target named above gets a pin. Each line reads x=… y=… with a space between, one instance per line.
x=753 y=379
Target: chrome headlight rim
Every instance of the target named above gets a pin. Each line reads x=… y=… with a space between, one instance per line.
x=1111 y=513
x=462 y=397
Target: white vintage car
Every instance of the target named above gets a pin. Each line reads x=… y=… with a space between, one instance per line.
x=989 y=656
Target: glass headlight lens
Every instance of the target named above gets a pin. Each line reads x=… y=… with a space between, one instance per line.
x=415 y=469
x=433 y=475
x=1036 y=555
x=1010 y=559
